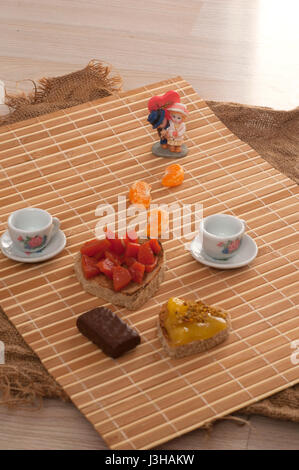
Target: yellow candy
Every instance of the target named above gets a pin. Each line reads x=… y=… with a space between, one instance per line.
x=192 y=321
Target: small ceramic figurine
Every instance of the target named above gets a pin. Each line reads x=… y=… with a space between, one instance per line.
x=167 y=115
x=159 y=121
x=177 y=127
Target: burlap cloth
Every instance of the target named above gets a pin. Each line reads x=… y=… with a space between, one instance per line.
x=273 y=134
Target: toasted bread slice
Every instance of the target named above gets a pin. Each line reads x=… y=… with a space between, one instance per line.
x=131 y=297
x=193 y=347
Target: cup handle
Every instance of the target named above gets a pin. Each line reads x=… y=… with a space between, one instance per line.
x=2 y=92
x=56 y=225
x=4 y=109
x=244 y=224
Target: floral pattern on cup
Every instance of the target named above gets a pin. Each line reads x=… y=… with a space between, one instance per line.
x=230 y=245
x=30 y=243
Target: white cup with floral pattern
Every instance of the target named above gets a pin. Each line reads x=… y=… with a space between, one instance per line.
x=222 y=235
x=31 y=229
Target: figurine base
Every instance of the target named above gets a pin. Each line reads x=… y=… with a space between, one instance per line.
x=160 y=152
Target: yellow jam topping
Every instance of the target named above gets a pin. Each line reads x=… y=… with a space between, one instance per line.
x=191 y=321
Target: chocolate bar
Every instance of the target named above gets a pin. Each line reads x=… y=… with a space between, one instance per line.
x=105 y=329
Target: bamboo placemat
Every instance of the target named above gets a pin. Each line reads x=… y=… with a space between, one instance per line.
x=70 y=161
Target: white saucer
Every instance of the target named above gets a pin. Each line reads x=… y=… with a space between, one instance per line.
x=54 y=247
x=246 y=253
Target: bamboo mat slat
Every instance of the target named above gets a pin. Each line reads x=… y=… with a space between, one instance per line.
x=70 y=161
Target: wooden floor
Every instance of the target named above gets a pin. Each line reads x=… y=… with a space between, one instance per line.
x=61 y=426
x=232 y=50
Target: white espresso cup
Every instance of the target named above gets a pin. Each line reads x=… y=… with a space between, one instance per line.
x=31 y=229
x=3 y=108
x=222 y=235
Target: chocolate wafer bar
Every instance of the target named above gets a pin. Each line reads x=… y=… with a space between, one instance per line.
x=105 y=329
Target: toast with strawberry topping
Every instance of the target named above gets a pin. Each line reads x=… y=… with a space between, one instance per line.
x=124 y=271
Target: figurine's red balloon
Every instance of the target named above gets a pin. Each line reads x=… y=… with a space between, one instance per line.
x=163 y=101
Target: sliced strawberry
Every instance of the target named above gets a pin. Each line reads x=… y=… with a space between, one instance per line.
x=99 y=256
x=128 y=260
x=132 y=236
x=106 y=267
x=114 y=258
x=150 y=267
x=155 y=246
x=109 y=234
x=132 y=249
x=137 y=272
x=145 y=254
x=119 y=243
x=95 y=247
x=118 y=246
x=121 y=277
x=89 y=267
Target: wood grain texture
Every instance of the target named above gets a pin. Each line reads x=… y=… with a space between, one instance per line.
x=61 y=426
x=234 y=50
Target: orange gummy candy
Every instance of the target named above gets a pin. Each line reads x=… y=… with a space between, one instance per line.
x=174 y=175
x=140 y=193
x=158 y=221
